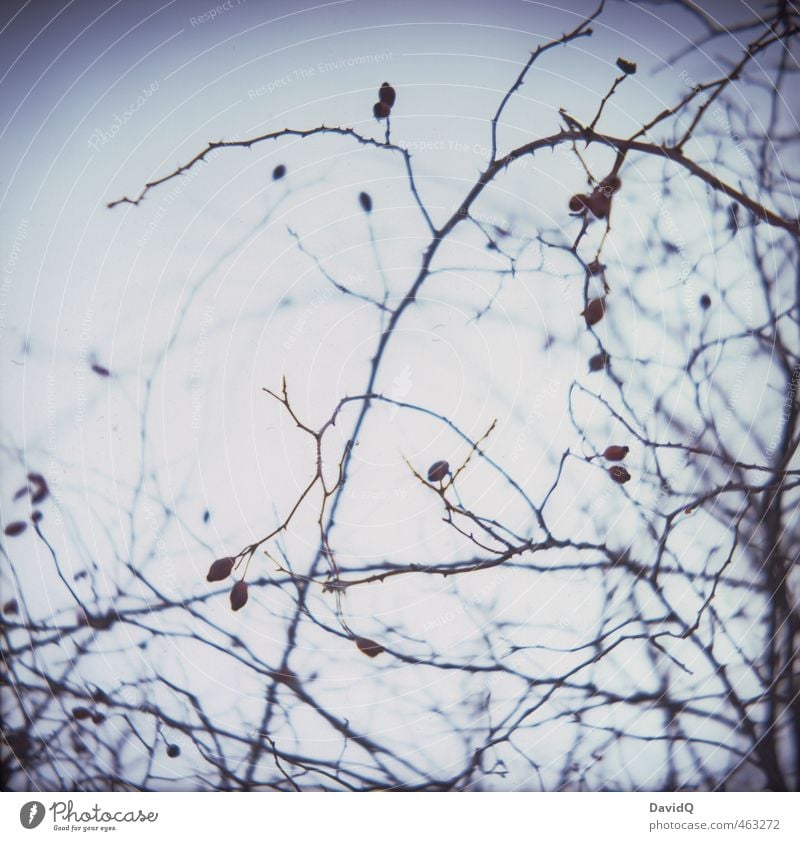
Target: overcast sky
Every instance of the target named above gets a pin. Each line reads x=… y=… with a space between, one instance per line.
x=211 y=290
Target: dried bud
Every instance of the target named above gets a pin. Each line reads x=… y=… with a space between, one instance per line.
x=173 y=751
x=221 y=569
x=619 y=474
x=387 y=94
x=615 y=452
x=627 y=67
x=36 y=516
x=81 y=713
x=239 y=595
x=705 y=301
x=577 y=204
x=11 y=607
x=595 y=268
x=369 y=647
x=13 y=529
x=365 y=201
x=381 y=110
x=278 y=172
x=598 y=362
x=437 y=471
x=98 y=718
x=594 y=311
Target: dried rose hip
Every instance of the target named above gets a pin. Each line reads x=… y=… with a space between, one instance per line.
x=619 y=474
x=577 y=204
x=239 y=595
x=598 y=362
x=369 y=647
x=594 y=311
x=387 y=94
x=221 y=569
x=13 y=529
x=437 y=471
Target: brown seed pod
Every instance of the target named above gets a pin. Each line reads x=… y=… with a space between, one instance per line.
x=221 y=569
x=365 y=200
x=98 y=718
x=619 y=474
x=705 y=301
x=39 y=491
x=627 y=67
x=595 y=268
x=81 y=713
x=387 y=94
x=238 y=595
x=381 y=110
x=11 y=607
x=577 y=204
x=278 y=172
x=437 y=471
x=615 y=452
x=598 y=362
x=13 y=529
x=369 y=647
x=173 y=751
x=594 y=311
